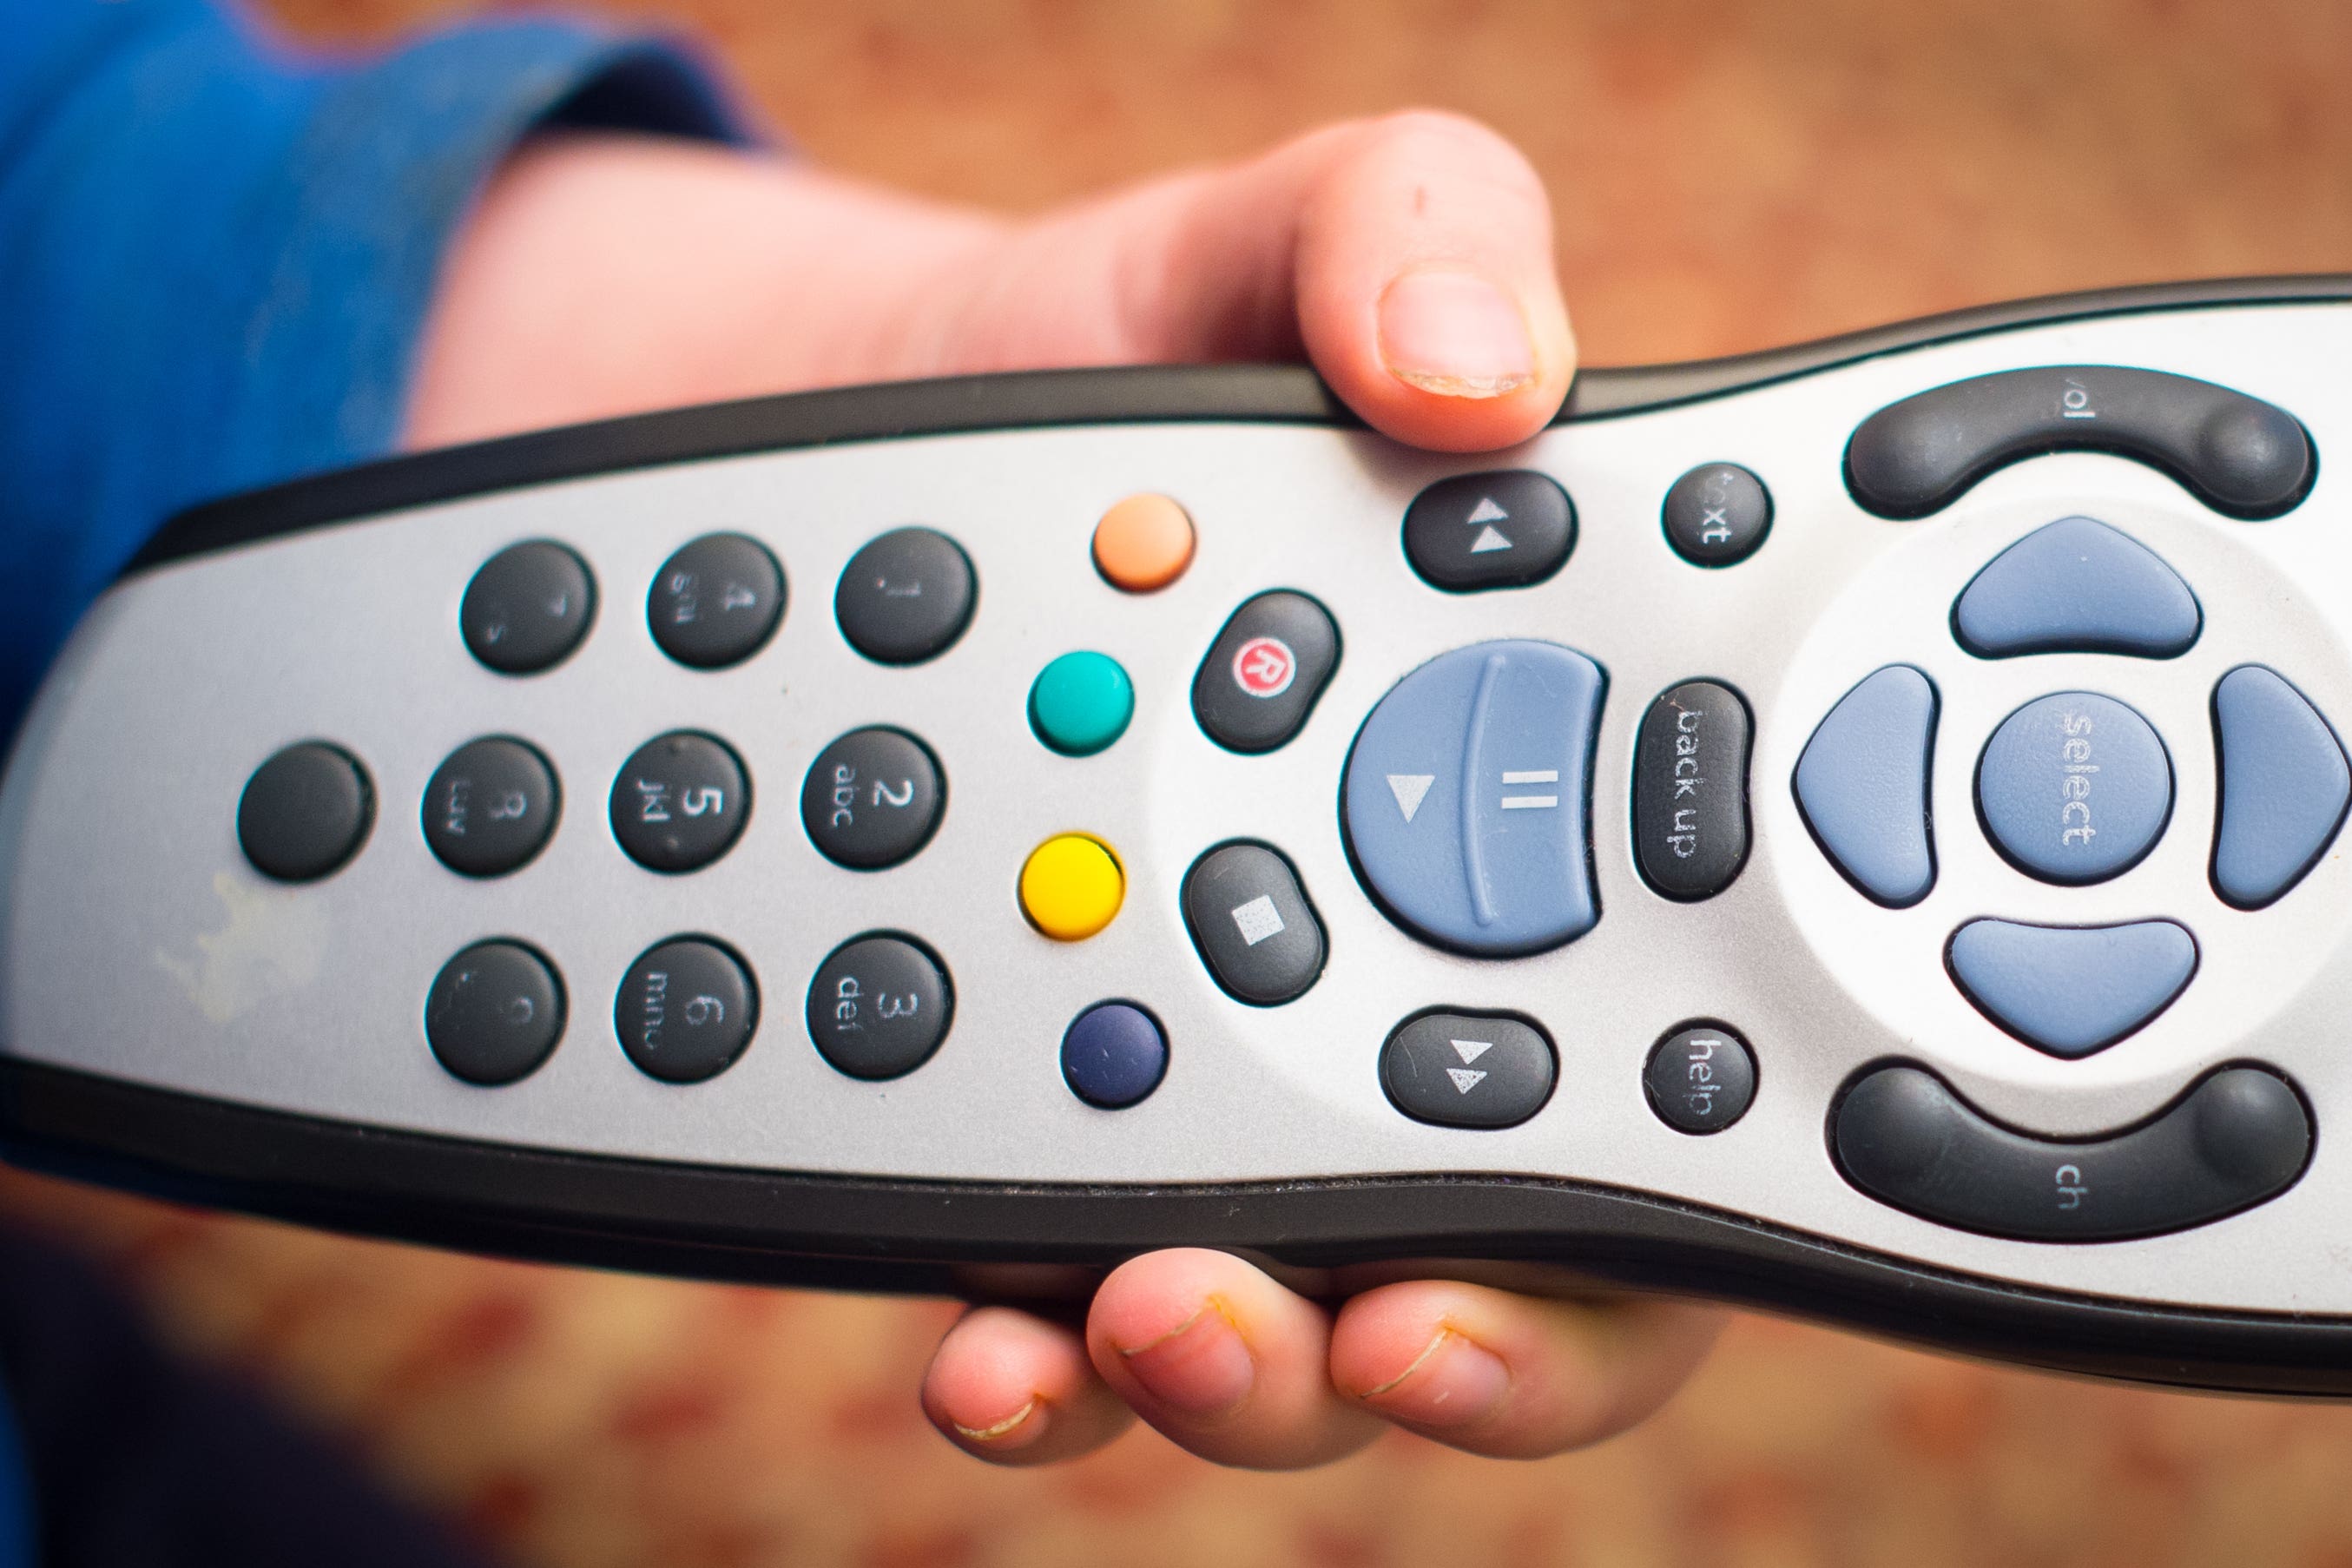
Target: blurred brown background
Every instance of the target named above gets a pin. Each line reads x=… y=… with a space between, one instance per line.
x=1727 y=177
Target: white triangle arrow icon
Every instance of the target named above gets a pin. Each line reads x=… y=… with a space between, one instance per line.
x=1409 y=788
x=1486 y=511
x=1488 y=540
x=1464 y=1079
x=1471 y=1050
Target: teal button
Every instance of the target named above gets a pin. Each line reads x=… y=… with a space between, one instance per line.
x=1081 y=703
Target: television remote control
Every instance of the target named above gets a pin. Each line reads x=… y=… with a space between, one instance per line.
x=1853 y=831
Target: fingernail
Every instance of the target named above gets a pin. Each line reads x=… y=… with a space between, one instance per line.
x=1452 y=1382
x=1016 y=1431
x=1200 y=1367
x=1456 y=334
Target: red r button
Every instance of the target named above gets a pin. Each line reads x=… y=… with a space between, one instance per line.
x=1264 y=667
x=1263 y=674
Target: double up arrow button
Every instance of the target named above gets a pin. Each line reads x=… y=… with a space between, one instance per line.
x=1501 y=529
x=1427 y=1068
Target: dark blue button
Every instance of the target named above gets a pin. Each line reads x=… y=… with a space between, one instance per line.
x=1465 y=798
x=2077 y=586
x=1862 y=785
x=2072 y=990
x=1114 y=1056
x=2284 y=786
x=2075 y=788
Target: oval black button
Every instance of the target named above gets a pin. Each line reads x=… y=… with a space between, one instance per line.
x=1265 y=671
x=1468 y=1069
x=680 y=802
x=872 y=798
x=2237 y=1138
x=716 y=601
x=528 y=608
x=1690 y=790
x=1503 y=530
x=879 y=1006
x=1717 y=515
x=2237 y=454
x=490 y=807
x=686 y=1010
x=1251 y=922
x=494 y=1013
x=906 y=597
x=305 y=811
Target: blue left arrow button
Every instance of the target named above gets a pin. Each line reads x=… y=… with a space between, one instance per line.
x=1465 y=798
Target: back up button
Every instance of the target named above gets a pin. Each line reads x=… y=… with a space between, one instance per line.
x=1465 y=798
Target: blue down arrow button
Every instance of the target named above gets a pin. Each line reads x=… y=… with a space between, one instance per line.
x=1465 y=798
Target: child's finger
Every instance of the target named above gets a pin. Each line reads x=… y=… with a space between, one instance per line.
x=1409 y=257
x=1224 y=1361
x=1014 y=1389
x=1427 y=294
x=1509 y=1376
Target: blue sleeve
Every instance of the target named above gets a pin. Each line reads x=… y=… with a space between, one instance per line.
x=217 y=254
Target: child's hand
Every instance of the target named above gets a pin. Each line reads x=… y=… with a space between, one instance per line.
x=1410 y=260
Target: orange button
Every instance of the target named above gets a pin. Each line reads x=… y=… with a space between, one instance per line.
x=1142 y=544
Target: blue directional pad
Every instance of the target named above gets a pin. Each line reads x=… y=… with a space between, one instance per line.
x=1465 y=798
x=1863 y=785
x=2284 y=786
x=2075 y=788
x=2077 y=586
x=2072 y=990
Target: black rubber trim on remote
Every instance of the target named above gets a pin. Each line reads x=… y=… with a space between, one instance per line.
x=1116 y=396
x=971 y=1239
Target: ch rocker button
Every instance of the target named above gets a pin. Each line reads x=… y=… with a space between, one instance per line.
x=2240 y=1136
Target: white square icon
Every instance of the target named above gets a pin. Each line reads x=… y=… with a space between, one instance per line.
x=1257 y=920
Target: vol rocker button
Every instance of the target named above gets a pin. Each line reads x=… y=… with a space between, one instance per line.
x=1465 y=796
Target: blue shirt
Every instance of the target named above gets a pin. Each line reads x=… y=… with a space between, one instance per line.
x=215 y=256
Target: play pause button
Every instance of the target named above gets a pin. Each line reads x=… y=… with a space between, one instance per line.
x=1468 y=1069
x=1501 y=529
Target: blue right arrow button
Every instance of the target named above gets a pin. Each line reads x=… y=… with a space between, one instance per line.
x=2284 y=785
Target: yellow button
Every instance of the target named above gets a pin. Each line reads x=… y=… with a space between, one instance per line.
x=1142 y=544
x=1071 y=887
